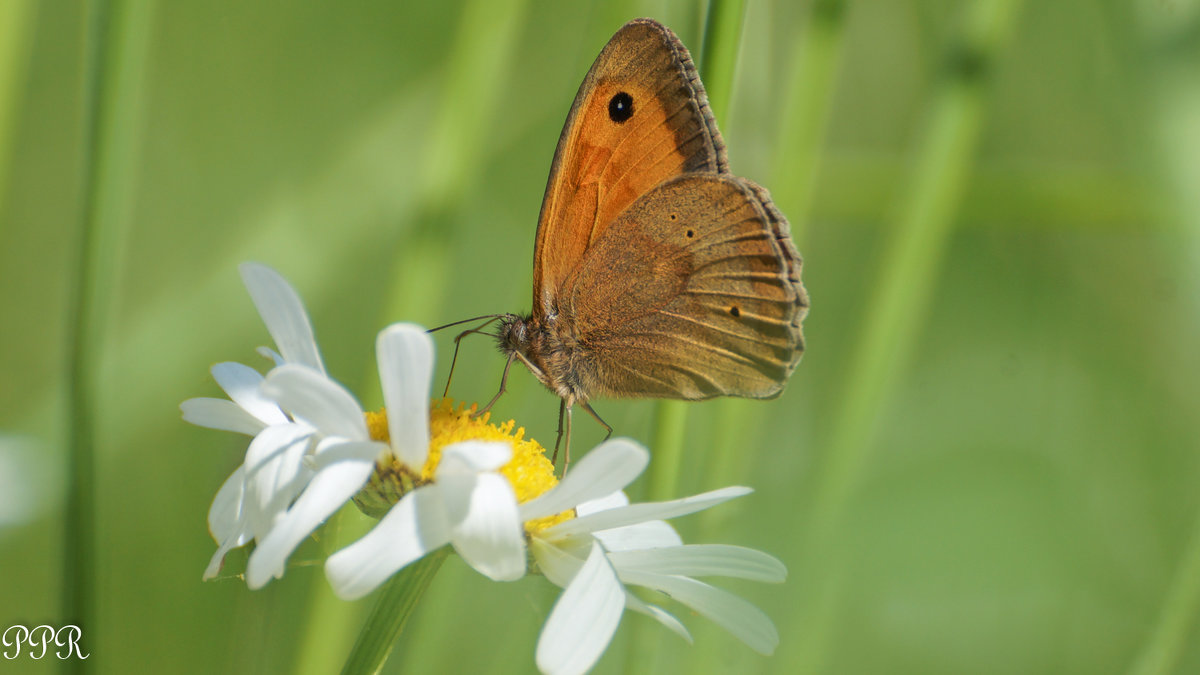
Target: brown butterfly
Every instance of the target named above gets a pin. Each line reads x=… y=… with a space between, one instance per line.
x=657 y=273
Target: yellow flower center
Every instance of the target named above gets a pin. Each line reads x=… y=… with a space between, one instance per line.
x=529 y=471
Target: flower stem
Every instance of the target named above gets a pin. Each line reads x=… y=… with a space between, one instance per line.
x=894 y=314
x=329 y=628
x=388 y=617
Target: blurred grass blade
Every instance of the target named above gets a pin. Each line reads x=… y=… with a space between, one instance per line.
x=476 y=72
x=1162 y=653
x=1176 y=141
x=895 y=312
x=719 y=54
x=17 y=22
x=115 y=57
x=807 y=102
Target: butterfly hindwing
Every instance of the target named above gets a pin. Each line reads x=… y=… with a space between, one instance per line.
x=693 y=292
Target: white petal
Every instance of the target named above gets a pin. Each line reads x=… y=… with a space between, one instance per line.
x=413 y=527
x=607 y=469
x=317 y=400
x=557 y=564
x=271 y=355
x=405 y=355
x=638 y=513
x=658 y=614
x=490 y=538
x=226 y=510
x=583 y=620
x=275 y=473
x=334 y=450
x=703 y=560
x=329 y=489
x=217 y=413
x=283 y=313
x=612 y=501
x=271 y=442
x=473 y=457
x=217 y=561
x=745 y=621
x=650 y=534
x=241 y=383
x=227 y=521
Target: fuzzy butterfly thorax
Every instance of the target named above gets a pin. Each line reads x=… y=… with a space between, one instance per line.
x=551 y=352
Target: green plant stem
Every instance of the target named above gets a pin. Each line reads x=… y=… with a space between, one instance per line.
x=79 y=547
x=896 y=310
x=807 y=104
x=117 y=37
x=670 y=427
x=394 y=604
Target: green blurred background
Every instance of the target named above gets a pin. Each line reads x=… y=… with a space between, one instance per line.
x=986 y=463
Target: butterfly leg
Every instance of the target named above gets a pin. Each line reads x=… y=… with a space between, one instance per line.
x=503 y=387
x=564 y=412
x=608 y=430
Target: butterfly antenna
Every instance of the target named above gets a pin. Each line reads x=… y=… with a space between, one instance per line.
x=489 y=317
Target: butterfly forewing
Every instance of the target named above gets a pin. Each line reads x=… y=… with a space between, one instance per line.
x=641 y=117
x=689 y=294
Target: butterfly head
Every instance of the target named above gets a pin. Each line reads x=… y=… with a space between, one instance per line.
x=513 y=334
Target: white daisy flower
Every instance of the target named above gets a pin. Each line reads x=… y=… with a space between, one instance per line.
x=273 y=472
x=344 y=451
x=456 y=497
x=611 y=544
x=455 y=479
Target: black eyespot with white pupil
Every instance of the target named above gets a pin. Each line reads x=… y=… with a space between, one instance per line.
x=620 y=107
